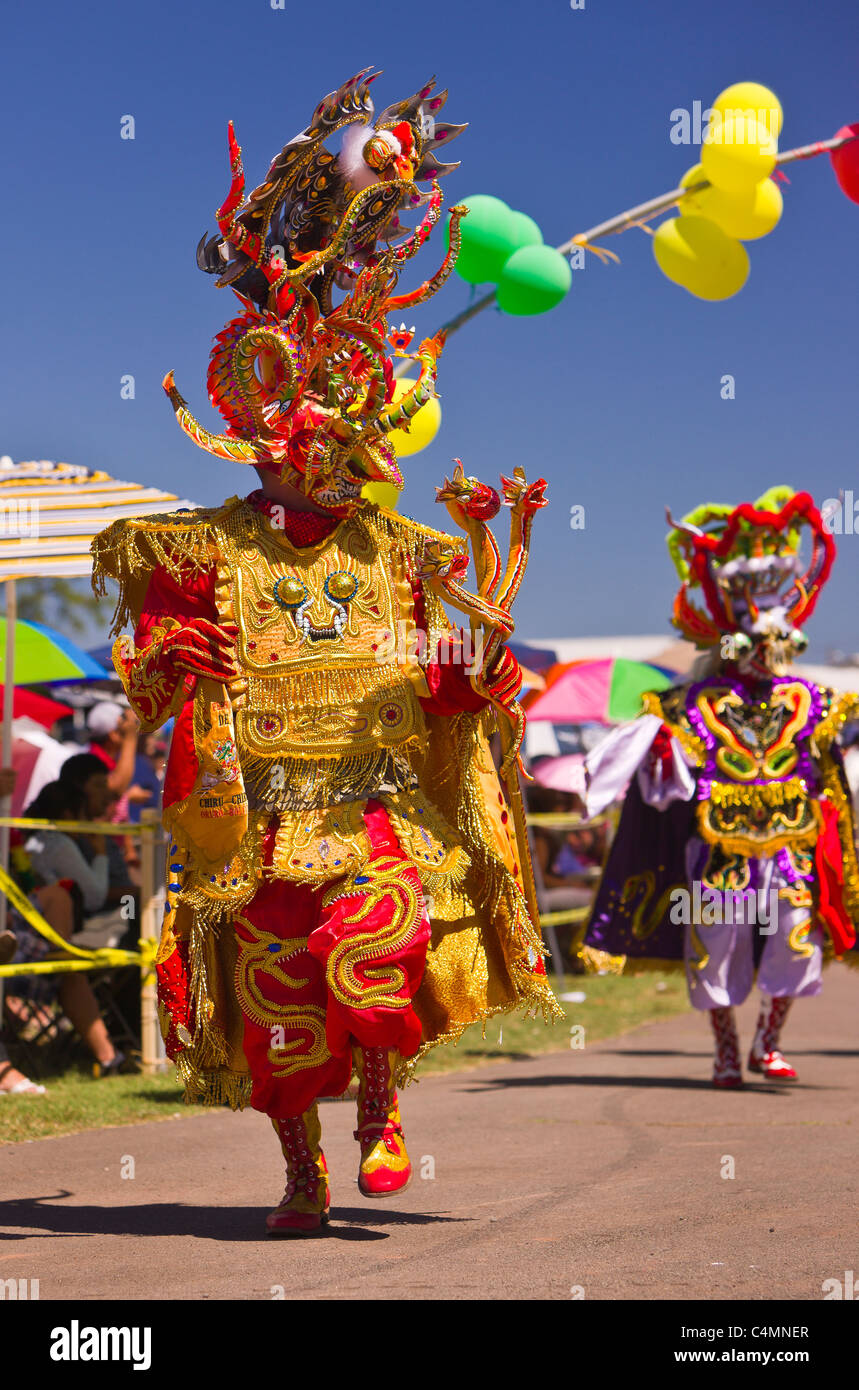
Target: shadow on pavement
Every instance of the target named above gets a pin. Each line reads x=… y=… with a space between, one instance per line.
x=45 y=1217
x=682 y=1083
x=823 y=1052
x=359 y=1219
x=664 y=1052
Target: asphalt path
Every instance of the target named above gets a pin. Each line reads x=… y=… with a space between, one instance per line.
x=601 y=1172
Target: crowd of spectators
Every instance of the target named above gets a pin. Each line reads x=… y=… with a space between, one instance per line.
x=566 y=858
x=85 y=883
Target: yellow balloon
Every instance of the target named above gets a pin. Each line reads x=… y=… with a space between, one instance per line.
x=424 y=425
x=747 y=215
x=737 y=153
x=383 y=494
x=755 y=98
x=695 y=253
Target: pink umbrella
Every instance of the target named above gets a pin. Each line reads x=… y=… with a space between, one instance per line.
x=608 y=691
x=564 y=774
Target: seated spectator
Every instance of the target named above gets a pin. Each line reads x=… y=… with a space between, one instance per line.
x=94 y=862
x=581 y=854
x=558 y=865
x=145 y=790
x=61 y=876
x=113 y=732
x=12 y=1081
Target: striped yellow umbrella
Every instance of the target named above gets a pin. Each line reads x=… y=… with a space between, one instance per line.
x=49 y=515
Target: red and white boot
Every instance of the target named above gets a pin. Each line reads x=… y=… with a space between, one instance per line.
x=385 y=1167
x=303 y=1209
x=727 y=1074
x=765 y=1056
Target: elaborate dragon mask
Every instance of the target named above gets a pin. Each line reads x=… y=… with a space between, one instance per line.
x=306 y=386
x=757 y=589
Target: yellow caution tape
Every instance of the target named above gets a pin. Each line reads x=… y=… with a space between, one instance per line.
x=563 y=820
x=561 y=918
x=94 y=827
x=89 y=960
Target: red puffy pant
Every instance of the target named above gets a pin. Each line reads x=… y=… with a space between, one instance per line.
x=311 y=978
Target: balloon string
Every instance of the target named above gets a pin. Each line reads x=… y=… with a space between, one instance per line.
x=633 y=217
x=601 y=251
x=643 y=226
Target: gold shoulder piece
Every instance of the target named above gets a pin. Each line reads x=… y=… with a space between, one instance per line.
x=130 y=549
x=401 y=526
x=841 y=708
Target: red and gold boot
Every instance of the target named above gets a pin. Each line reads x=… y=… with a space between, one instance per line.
x=303 y=1209
x=727 y=1074
x=765 y=1056
x=385 y=1167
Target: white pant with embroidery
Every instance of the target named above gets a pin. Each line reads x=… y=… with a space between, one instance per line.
x=720 y=956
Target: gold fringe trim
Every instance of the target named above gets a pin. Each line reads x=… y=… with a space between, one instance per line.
x=205 y=1086
x=306 y=782
x=393 y=526
x=844 y=707
x=600 y=962
x=294 y=692
x=596 y=962
x=539 y=999
x=129 y=549
x=757 y=795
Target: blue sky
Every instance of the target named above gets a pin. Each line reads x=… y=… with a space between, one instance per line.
x=614 y=397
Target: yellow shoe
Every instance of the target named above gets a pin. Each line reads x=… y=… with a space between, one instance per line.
x=385 y=1167
x=303 y=1210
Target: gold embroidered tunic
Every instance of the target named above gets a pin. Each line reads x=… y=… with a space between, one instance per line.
x=325 y=715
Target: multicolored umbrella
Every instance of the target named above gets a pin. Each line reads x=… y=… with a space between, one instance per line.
x=43 y=656
x=599 y=692
x=27 y=704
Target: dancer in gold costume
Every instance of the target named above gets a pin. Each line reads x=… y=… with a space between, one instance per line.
x=348 y=883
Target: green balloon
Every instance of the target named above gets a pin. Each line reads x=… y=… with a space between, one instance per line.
x=534 y=280
x=526 y=230
x=487 y=239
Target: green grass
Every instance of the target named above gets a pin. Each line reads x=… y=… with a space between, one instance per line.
x=612 y=1005
x=75 y=1101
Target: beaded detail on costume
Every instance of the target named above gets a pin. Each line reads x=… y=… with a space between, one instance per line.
x=316 y=846
x=319 y=717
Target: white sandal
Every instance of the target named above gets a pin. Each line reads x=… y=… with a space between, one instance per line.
x=24 y=1087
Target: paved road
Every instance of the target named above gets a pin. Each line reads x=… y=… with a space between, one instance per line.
x=596 y=1169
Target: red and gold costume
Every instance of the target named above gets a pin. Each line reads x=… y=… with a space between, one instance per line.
x=345 y=886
